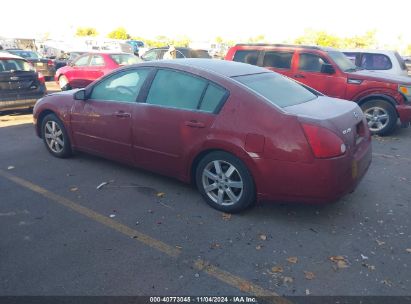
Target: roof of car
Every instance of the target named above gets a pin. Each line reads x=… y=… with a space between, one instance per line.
x=297 y=46
x=9 y=55
x=385 y=52
x=221 y=67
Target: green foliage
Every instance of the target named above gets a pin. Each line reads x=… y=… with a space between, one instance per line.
x=86 y=32
x=119 y=33
x=162 y=41
x=408 y=50
x=323 y=38
x=256 y=39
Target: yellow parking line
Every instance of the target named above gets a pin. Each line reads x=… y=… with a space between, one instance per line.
x=238 y=282
x=149 y=241
x=213 y=271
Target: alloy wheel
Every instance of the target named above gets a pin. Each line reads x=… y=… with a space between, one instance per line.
x=377 y=118
x=222 y=182
x=54 y=136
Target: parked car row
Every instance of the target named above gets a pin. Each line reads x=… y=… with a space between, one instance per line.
x=384 y=98
x=275 y=124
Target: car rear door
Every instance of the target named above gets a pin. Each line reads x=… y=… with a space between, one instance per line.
x=279 y=61
x=177 y=115
x=102 y=124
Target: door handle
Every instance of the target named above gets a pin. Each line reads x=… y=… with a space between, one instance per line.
x=194 y=124
x=122 y=114
x=299 y=76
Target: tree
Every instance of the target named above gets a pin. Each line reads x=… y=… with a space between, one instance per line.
x=86 y=32
x=320 y=38
x=256 y=39
x=119 y=33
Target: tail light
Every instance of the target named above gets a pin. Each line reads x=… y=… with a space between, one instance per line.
x=50 y=63
x=324 y=143
x=41 y=78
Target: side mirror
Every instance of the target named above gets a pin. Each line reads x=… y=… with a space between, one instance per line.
x=80 y=95
x=327 y=68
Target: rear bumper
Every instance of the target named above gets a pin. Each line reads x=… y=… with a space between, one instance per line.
x=323 y=181
x=17 y=104
x=404 y=112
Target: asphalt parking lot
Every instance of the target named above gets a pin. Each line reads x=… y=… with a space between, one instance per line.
x=144 y=234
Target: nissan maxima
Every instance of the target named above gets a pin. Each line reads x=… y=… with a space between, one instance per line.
x=239 y=132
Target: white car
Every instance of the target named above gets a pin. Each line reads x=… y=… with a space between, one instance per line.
x=384 y=61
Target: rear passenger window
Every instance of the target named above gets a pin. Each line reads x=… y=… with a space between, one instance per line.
x=176 y=90
x=212 y=98
x=310 y=63
x=250 y=57
x=375 y=62
x=280 y=60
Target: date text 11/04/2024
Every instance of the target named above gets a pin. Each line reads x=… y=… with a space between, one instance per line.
x=205 y=299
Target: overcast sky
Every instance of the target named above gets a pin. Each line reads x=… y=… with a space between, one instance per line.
x=203 y=20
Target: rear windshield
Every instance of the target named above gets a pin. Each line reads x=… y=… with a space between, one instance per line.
x=25 y=54
x=9 y=65
x=125 y=59
x=278 y=89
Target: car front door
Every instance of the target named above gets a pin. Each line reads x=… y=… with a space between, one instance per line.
x=102 y=124
x=95 y=69
x=309 y=70
x=179 y=110
x=76 y=75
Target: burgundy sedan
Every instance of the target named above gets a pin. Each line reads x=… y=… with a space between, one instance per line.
x=241 y=133
x=91 y=66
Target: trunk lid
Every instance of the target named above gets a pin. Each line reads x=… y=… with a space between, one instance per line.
x=344 y=118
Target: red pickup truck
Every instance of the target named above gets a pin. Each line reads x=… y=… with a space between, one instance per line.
x=383 y=98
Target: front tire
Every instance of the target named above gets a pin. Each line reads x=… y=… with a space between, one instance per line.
x=225 y=182
x=55 y=136
x=381 y=116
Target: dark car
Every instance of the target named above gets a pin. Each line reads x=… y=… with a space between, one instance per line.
x=43 y=65
x=240 y=132
x=181 y=52
x=66 y=59
x=20 y=84
x=384 y=98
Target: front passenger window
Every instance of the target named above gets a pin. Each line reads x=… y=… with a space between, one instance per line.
x=82 y=61
x=124 y=86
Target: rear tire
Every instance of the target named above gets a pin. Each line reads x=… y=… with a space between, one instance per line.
x=64 y=83
x=55 y=136
x=225 y=182
x=381 y=116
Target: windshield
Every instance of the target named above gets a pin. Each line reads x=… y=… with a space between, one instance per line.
x=11 y=65
x=342 y=61
x=125 y=59
x=26 y=54
x=278 y=89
